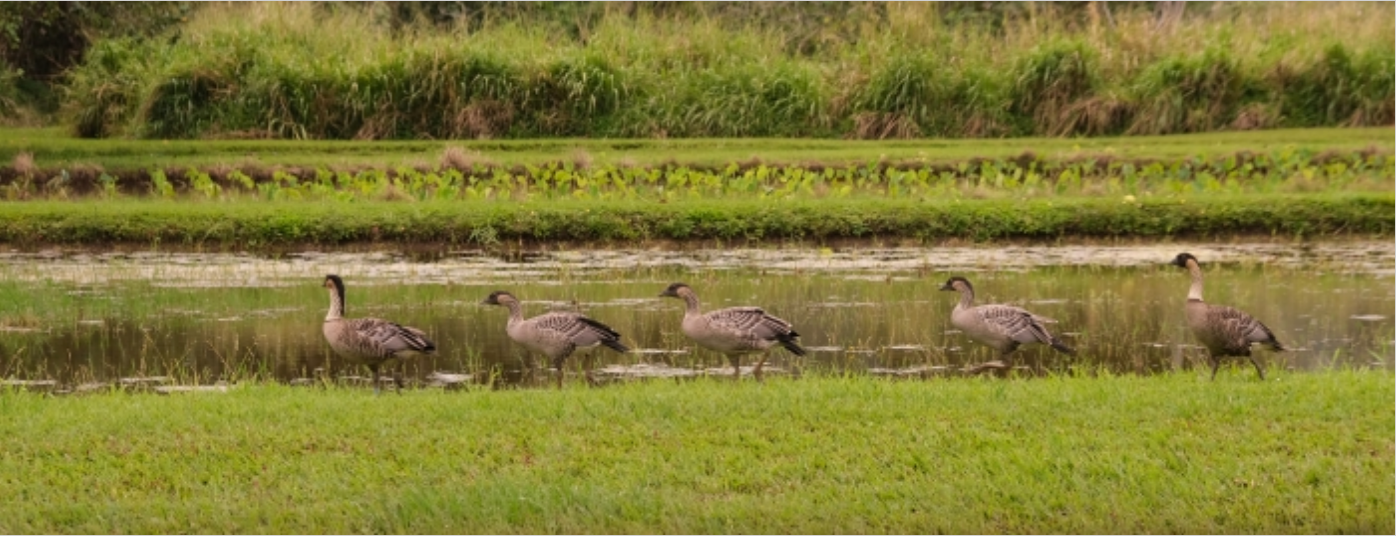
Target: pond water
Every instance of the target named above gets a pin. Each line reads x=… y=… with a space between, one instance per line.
x=75 y=316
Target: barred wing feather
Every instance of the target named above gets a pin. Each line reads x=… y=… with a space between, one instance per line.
x=1015 y=323
x=391 y=337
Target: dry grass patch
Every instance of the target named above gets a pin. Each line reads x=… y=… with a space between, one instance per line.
x=23 y=164
x=582 y=160
x=462 y=159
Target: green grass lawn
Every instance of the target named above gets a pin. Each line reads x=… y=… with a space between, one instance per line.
x=51 y=148
x=1302 y=453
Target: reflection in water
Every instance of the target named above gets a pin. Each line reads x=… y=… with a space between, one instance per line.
x=204 y=317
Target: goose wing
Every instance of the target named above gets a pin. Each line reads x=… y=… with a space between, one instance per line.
x=1015 y=323
x=391 y=337
x=751 y=322
x=1240 y=329
x=578 y=330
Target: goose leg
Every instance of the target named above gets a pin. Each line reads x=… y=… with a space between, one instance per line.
x=374 y=369
x=756 y=372
x=532 y=369
x=588 y=364
x=397 y=380
x=1258 y=370
x=1216 y=362
x=557 y=364
x=736 y=361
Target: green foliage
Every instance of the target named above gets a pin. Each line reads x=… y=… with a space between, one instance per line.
x=41 y=38
x=9 y=91
x=41 y=41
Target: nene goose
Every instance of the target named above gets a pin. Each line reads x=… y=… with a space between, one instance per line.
x=370 y=341
x=1226 y=332
x=734 y=331
x=1001 y=327
x=555 y=334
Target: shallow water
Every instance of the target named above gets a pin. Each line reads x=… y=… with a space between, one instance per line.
x=75 y=316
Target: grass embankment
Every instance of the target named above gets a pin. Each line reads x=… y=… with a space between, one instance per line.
x=865 y=70
x=487 y=224
x=51 y=151
x=1305 y=453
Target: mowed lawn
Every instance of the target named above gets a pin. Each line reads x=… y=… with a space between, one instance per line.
x=1301 y=453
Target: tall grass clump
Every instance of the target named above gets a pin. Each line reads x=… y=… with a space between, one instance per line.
x=701 y=79
x=1190 y=93
x=474 y=88
x=572 y=93
x=1054 y=88
x=1049 y=78
x=900 y=98
x=1338 y=88
x=105 y=90
x=785 y=99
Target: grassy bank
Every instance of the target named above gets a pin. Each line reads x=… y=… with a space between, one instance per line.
x=1306 y=453
x=213 y=224
x=878 y=70
x=50 y=151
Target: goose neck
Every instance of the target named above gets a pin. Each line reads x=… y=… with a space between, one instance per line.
x=966 y=298
x=1195 y=291
x=691 y=306
x=515 y=310
x=336 y=311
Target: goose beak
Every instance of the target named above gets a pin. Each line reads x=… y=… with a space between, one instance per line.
x=947 y=287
